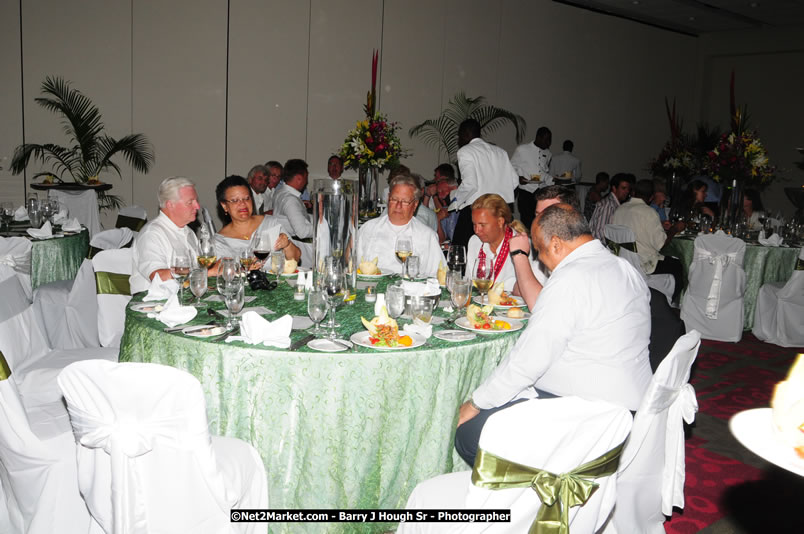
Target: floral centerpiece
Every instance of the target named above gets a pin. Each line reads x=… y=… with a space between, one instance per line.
x=676 y=156
x=741 y=157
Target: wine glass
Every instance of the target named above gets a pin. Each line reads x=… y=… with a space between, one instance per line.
x=395 y=300
x=456 y=258
x=262 y=246
x=483 y=276
x=459 y=294
x=47 y=211
x=246 y=257
x=206 y=253
x=7 y=214
x=234 y=297
x=32 y=202
x=403 y=249
x=278 y=263
x=180 y=268
x=413 y=266
x=198 y=284
x=317 y=309
x=333 y=285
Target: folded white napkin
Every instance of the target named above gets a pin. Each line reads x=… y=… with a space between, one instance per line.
x=775 y=240
x=61 y=216
x=161 y=289
x=308 y=281
x=419 y=327
x=419 y=289
x=254 y=330
x=21 y=214
x=41 y=233
x=173 y=313
x=71 y=225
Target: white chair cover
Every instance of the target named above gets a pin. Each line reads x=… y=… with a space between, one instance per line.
x=556 y=435
x=15 y=252
x=779 y=316
x=713 y=303
x=146 y=461
x=133 y=211
x=620 y=234
x=110 y=239
x=112 y=306
x=83 y=205
x=39 y=477
x=67 y=310
x=651 y=475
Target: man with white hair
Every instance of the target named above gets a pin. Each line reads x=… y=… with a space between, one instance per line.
x=258 y=178
x=377 y=238
x=168 y=232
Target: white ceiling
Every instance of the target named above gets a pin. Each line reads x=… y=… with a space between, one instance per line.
x=696 y=17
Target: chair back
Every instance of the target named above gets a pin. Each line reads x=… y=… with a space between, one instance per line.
x=112 y=270
x=621 y=241
x=145 y=457
x=22 y=340
x=554 y=435
x=131 y=217
x=83 y=205
x=651 y=475
x=713 y=303
x=15 y=254
x=110 y=239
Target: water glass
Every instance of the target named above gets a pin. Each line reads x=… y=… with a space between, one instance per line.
x=413 y=266
x=317 y=309
x=180 y=269
x=395 y=300
x=7 y=214
x=333 y=285
x=460 y=292
x=35 y=216
x=278 y=263
x=198 y=284
x=422 y=308
x=234 y=298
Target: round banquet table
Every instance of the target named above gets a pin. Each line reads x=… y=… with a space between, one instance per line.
x=762 y=265
x=53 y=259
x=354 y=429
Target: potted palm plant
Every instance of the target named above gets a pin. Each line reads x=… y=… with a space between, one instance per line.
x=91 y=150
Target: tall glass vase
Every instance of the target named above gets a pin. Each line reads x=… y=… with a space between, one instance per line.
x=335 y=226
x=368 y=178
x=731 y=205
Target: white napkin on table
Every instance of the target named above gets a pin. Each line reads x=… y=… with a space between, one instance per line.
x=173 y=313
x=419 y=327
x=71 y=225
x=161 y=289
x=41 y=233
x=21 y=214
x=775 y=240
x=61 y=216
x=254 y=330
x=419 y=289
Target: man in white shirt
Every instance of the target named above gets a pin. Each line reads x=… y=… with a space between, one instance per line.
x=531 y=162
x=566 y=166
x=588 y=335
x=274 y=179
x=424 y=213
x=168 y=232
x=258 y=178
x=377 y=237
x=485 y=168
x=288 y=202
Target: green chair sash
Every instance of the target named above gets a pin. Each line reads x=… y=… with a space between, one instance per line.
x=5 y=372
x=615 y=247
x=112 y=283
x=558 y=493
x=133 y=223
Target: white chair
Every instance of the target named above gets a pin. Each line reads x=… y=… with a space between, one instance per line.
x=555 y=435
x=713 y=303
x=131 y=217
x=621 y=240
x=15 y=253
x=111 y=239
x=38 y=477
x=82 y=205
x=650 y=479
x=146 y=461
x=112 y=270
x=779 y=316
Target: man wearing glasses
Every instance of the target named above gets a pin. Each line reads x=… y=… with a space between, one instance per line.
x=377 y=237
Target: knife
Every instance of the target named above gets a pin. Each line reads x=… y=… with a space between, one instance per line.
x=302 y=341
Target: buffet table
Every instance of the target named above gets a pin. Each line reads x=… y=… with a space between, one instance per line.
x=761 y=264
x=353 y=429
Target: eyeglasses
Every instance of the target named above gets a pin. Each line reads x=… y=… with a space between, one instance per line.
x=405 y=203
x=233 y=201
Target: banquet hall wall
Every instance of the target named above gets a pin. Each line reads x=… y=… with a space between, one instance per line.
x=219 y=86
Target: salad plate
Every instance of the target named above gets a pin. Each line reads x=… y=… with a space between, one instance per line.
x=363 y=339
x=463 y=322
x=371 y=276
x=520 y=302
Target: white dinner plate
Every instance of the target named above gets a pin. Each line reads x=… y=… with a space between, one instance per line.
x=203 y=331
x=463 y=322
x=326 y=345
x=454 y=336
x=754 y=429
x=504 y=316
x=519 y=302
x=371 y=276
x=148 y=307
x=362 y=339
x=295 y=273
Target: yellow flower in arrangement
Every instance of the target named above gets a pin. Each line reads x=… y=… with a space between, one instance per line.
x=373 y=143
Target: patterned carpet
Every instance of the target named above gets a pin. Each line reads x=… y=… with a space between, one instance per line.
x=730 y=490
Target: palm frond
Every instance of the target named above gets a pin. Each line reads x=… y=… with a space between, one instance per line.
x=492 y=118
x=135 y=148
x=437 y=133
x=107 y=201
x=62 y=159
x=82 y=120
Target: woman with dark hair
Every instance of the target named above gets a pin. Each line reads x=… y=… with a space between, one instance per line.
x=235 y=208
x=694 y=197
x=752 y=208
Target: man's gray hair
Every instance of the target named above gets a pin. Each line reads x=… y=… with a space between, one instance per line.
x=257 y=169
x=169 y=189
x=451 y=181
x=406 y=179
x=562 y=221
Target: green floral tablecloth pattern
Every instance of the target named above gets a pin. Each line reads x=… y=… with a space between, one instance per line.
x=58 y=258
x=762 y=265
x=335 y=430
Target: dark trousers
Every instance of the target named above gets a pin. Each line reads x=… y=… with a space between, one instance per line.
x=463 y=228
x=673 y=267
x=527 y=207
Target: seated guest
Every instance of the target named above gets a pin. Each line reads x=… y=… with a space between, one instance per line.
x=240 y=222
x=442 y=172
x=288 y=201
x=659 y=198
x=588 y=335
x=596 y=194
x=621 y=185
x=274 y=180
x=386 y=188
x=752 y=208
x=649 y=233
x=423 y=213
x=377 y=237
x=446 y=196
x=693 y=201
x=258 y=178
x=494 y=227
x=168 y=232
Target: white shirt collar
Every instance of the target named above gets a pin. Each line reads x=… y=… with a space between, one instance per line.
x=592 y=247
x=292 y=190
x=170 y=224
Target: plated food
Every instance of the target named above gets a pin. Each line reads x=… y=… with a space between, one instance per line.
x=479 y=320
x=368 y=268
x=384 y=331
x=787 y=404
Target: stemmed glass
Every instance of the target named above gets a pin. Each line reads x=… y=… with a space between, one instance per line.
x=395 y=300
x=413 y=266
x=246 y=257
x=278 y=263
x=482 y=276
x=206 y=253
x=333 y=285
x=262 y=246
x=180 y=268
x=456 y=258
x=198 y=284
x=7 y=214
x=234 y=297
x=403 y=249
x=229 y=270
x=47 y=211
x=317 y=309
x=459 y=294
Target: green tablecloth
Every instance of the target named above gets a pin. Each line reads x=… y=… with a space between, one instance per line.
x=761 y=264
x=58 y=258
x=335 y=430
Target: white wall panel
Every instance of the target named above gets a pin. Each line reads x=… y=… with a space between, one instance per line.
x=11 y=187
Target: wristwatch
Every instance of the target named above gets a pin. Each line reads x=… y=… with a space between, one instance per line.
x=515 y=252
